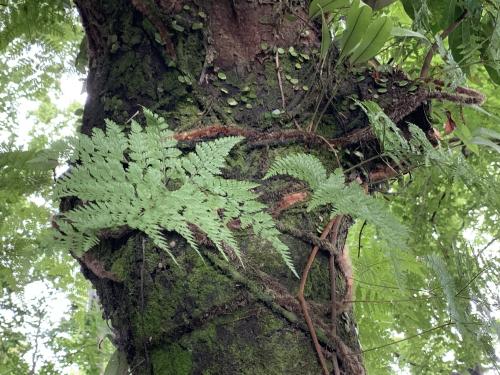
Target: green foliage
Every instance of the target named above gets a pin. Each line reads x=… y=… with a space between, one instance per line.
x=486 y=137
x=38 y=41
x=142 y=181
x=82 y=337
x=358 y=18
x=117 y=364
x=362 y=38
x=326 y=6
x=475 y=40
x=22 y=222
x=34 y=20
x=437 y=296
x=376 y=35
x=347 y=199
x=442 y=279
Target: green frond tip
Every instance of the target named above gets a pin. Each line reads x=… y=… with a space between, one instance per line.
x=348 y=199
x=143 y=181
x=456 y=307
x=212 y=155
x=301 y=166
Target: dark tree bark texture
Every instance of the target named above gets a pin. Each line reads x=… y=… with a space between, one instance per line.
x=215 y=64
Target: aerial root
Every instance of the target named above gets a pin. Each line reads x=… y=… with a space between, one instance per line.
x=333 y=227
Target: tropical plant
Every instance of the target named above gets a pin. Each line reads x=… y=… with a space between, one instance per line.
x=140 y=181
x=350 y=70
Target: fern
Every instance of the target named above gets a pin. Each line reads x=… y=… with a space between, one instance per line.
x=343 y=199
x=142 y=180
x=456 y=308
x=417 y=150
x=392 y=141
x=301 y=166
x=42 y=21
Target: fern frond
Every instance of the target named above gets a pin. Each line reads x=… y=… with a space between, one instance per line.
x=154 y=232
x=301 y=166
x=263 y=225
x=211 y=156
x=457 y=312
x=343 y=199
x=391 y=139
x=140 y=180
x=351 y=200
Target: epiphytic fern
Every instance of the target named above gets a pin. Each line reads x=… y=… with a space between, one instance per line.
x=392 y=141
x=417 y=150
x=343 y=199
x=301 y=166
x=142 y=180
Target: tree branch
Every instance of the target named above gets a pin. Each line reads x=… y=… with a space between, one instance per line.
x=428 y=58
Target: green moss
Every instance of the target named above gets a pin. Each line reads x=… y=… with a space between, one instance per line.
x=172 y=360
x=112 y=104
x=187 y=114
x=176 y=295
x=190 y=55
x=318 y=285
x=249 y=341
x=263 y=255
x=120 y=267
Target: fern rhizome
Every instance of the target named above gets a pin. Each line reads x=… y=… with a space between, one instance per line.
x=142 y=180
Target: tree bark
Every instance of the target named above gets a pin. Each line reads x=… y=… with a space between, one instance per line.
x=186 y=60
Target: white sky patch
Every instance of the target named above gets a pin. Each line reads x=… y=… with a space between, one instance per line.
x=71 y=92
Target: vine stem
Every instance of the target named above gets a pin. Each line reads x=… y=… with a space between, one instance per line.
x=333 y=227
x=280 y=83
x=428 y=58
x=333 y=301
x=333 y=286
x=303 y=303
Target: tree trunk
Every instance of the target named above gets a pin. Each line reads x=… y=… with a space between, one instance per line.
x=210 y=64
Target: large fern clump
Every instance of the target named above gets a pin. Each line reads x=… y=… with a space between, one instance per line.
x=141 y=180
x=332 y=191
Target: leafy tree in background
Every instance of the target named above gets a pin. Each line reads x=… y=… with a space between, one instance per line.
x=38 y=43
x=259 y=66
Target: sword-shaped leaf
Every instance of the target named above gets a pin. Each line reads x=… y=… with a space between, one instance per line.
x=375 y=37
x=326 y=39
x=358 y=19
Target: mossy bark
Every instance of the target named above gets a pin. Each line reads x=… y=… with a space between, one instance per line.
x=200 y=63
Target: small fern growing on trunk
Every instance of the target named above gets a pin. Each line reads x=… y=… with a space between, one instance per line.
x=142 y=180
x=349 y=199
